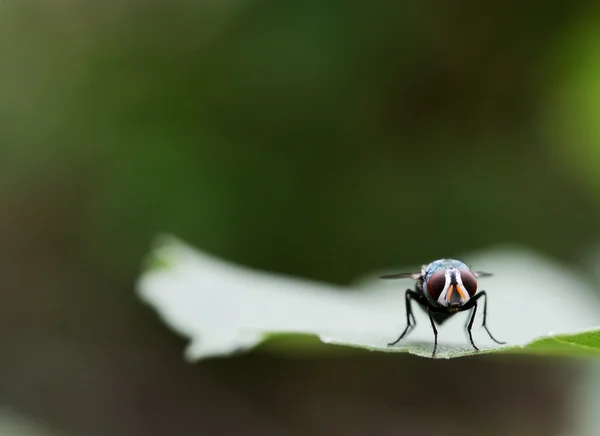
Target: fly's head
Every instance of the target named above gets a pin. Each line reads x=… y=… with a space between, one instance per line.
x=450 y=282
x=447 y=282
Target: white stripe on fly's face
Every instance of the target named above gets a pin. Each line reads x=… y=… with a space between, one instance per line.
x=442 y=298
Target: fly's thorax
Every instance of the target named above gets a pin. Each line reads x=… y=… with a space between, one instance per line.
x=450 y=285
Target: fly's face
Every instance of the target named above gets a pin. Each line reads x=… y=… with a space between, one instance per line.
x=450 y=287
x=445 y=282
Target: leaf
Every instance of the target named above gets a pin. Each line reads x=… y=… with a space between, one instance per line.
x=535 y=305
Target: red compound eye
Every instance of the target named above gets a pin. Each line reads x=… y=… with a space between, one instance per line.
x=469 y=281
x=436 y=283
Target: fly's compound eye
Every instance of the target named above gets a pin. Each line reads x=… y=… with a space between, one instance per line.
x=436 y=284
x=469 y=281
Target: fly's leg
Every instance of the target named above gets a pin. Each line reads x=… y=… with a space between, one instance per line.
x=470 y=325
x=435 y=332
x=472 y=303
x=484 y=318
x=408 y=296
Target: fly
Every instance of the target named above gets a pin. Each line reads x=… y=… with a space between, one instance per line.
x=444 y=288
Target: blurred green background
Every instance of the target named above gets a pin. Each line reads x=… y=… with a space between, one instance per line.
x=319 y=139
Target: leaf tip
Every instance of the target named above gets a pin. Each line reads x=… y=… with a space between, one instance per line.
x=158 y=258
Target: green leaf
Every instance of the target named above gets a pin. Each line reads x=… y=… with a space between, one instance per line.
x=536 y=305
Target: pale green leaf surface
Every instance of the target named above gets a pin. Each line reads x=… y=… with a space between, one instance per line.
x=535 y=305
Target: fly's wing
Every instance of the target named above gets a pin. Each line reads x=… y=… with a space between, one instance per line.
x=413 y=276
x=481 y=274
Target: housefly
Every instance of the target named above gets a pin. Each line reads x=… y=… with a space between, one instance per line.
x=444 y=288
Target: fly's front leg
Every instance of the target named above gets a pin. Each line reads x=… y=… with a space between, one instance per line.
x=408 y=296
x=470 y=325
x=472 y=303
x=482 y=293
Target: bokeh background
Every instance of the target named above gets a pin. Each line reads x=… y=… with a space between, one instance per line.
x=319 y=139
